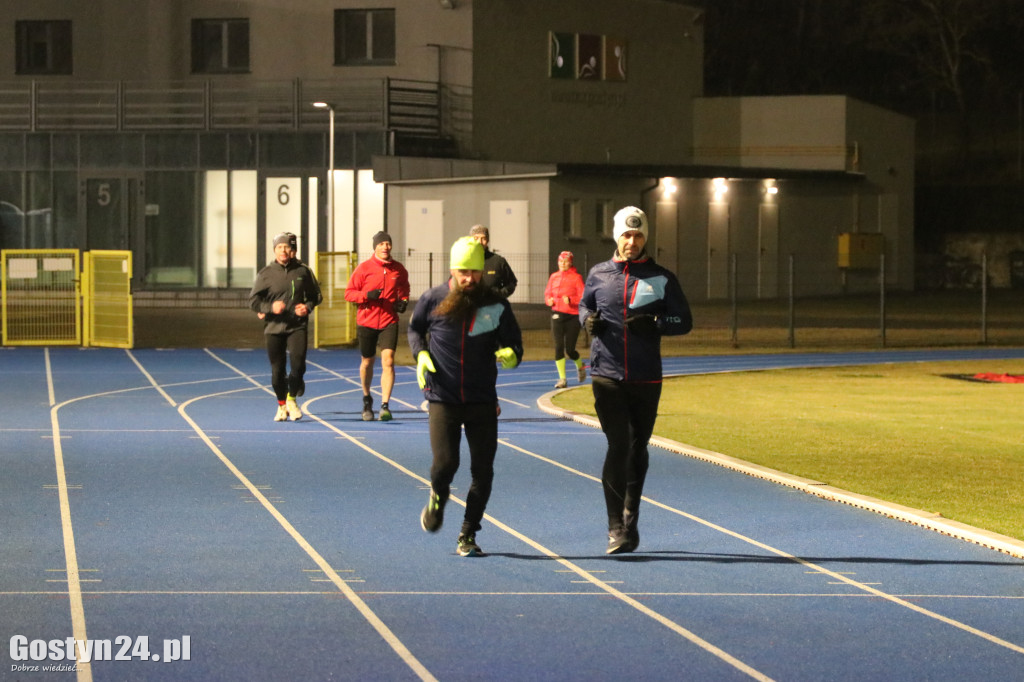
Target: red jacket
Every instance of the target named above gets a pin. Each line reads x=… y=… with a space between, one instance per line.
x=564 y=283
x=389 y=276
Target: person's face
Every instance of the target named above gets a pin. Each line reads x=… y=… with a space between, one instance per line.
x=466 y=279
x=631 y=244
x=383 y=250
x=283 y=253
x=481 y=239
x=564 y=263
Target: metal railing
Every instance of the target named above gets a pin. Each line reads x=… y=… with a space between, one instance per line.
x=398 y=105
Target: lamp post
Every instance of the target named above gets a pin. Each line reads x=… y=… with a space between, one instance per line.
x=330 y=174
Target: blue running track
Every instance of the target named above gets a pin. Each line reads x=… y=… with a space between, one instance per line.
x=153 y=510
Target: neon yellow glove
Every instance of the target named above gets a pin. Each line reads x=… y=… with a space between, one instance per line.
x=507 y=357
x=423 y=365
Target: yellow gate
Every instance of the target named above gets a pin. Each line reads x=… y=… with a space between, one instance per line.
x=107 y=299
x=335 y=323
x=40 y=297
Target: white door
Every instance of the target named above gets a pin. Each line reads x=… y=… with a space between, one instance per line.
x=510 y=236
x=666 y=235
x=718 y=250
x=426 y=257
x=768 y=251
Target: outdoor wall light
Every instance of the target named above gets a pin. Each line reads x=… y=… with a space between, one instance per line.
x=719 y=187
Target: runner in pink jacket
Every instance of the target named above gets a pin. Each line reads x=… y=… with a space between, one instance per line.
x=562 y=295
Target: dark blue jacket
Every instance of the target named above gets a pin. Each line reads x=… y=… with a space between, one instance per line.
x=463 y=351
x=620 y=289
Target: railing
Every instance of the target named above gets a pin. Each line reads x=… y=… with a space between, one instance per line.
x=400 y=106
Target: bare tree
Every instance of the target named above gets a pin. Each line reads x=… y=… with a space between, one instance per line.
x=943 y=43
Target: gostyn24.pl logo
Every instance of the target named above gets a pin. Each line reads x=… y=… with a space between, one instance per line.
x=122 y=648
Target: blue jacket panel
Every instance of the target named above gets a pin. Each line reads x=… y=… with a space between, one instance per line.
x=618 y=290
x=463 y=350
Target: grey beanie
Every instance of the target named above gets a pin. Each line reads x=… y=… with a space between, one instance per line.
x=286 y=238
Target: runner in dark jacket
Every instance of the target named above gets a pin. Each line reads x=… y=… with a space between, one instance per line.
x=628 y=304
x=457 y=332
x=498 y=275
x=283 y=296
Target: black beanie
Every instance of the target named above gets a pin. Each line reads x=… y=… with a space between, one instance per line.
x=381 y=237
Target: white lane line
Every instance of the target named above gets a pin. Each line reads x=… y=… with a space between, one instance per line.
x=74 y=580
x=515 y=593
x=842 y=579
x=583 y=573
x=371 y=617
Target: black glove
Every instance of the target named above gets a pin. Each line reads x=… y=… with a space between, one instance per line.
x=643 y=325
x=595 y=325
x=373 y=295
x=401 y=305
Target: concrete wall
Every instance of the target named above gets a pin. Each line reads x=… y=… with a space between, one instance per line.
x=150 y=39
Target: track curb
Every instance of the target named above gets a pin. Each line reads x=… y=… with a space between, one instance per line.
x=930 y=520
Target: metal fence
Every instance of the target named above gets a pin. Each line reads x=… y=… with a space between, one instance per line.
x=867 y=310
x=862 y=309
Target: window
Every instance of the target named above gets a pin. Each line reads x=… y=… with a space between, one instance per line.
x=220 y=46
x=364 y=37
x=572 y=218
x=605 y=215
x=43 y=47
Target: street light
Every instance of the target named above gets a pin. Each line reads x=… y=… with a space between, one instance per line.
x=330 y=175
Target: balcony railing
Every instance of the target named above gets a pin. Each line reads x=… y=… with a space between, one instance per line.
x=399 y=106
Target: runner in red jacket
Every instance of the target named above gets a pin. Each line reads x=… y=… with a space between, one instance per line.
x=380 y=287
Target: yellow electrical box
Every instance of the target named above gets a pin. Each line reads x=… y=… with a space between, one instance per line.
x=861 y=250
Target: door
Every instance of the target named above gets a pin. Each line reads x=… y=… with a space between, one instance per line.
x=510 y=236
x=666 y=232
x=426 y=257
x=768 y=251
x=718 y=250
x=113 y=205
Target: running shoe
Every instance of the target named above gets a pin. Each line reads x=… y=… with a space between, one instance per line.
x=581 y=373
x=562 y=383
x=293 y=410
x=385 y=413
x=282 y=413
x=468 y=547
x=618 y=542
x=367 y=408
x=432 y=517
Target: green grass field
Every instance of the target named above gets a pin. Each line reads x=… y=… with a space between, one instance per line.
x=914 y=434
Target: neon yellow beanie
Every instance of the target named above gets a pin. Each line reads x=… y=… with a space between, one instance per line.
x=467 y=254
